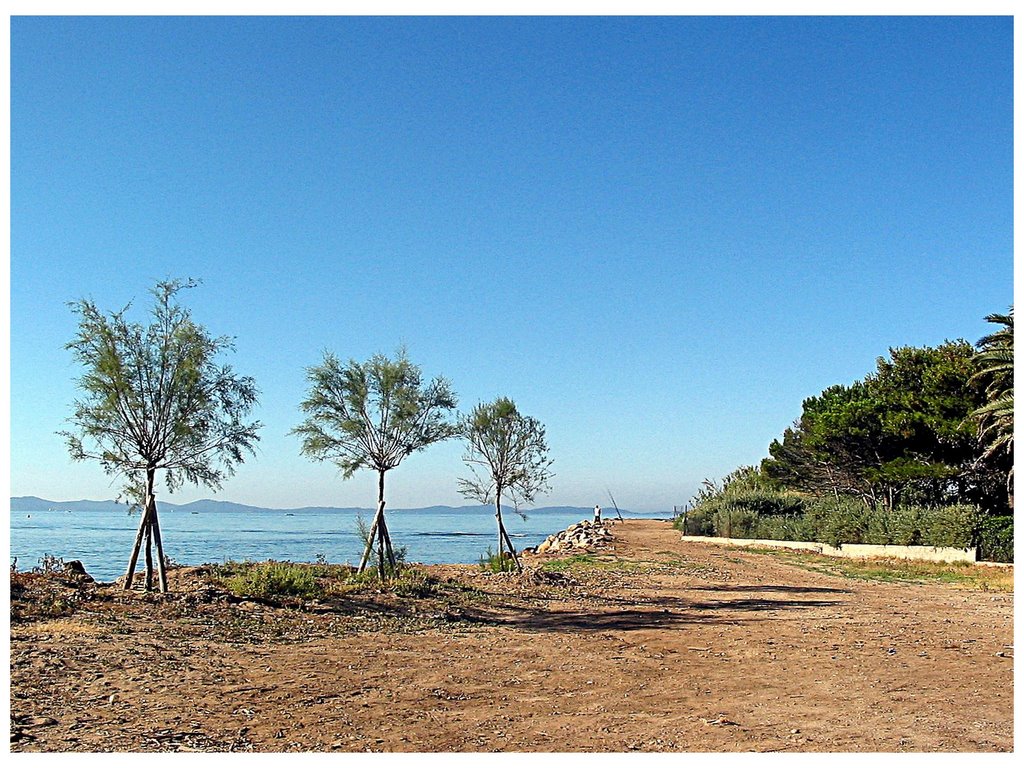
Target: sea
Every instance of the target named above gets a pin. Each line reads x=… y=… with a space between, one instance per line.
x=102 y=541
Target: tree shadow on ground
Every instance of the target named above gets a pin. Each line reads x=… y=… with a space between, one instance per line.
x=770 y=588
x=658 y=614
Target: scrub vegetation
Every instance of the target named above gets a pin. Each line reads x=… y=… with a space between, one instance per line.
x=918 y=452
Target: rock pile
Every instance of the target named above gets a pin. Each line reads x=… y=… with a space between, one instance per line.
x=584 y=535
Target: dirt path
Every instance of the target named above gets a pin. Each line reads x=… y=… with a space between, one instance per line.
x=668 y=647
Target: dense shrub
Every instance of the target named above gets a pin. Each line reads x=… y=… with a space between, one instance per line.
x=995 y=539
x=748 y=508
x=785 y=528
x=745 y=497
x=842 y=521
x=954 y=525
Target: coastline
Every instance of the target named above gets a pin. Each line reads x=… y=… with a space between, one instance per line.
x=649 y=644
x=102 y=540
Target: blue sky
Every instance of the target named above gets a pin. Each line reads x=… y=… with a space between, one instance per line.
x=657 y=235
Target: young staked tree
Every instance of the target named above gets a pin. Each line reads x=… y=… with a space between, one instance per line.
x=507 y=455
x=155 y=397
x=372 y=415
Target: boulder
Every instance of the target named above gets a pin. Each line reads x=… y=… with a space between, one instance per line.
x=74 y=570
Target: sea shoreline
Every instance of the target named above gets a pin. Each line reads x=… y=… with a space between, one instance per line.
x=649 y=644
x=103 y=540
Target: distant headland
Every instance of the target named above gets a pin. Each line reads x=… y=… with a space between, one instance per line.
x=35 y=504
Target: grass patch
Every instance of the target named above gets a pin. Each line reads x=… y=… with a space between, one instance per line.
x=497 y=563
x=271 y=580
x=894 y=570
x=412 y=582
x=573 y=562
x=274 y=580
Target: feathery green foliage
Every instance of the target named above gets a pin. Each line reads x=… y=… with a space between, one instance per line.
x=155 y=396
x=373 y=414
x=507 y=454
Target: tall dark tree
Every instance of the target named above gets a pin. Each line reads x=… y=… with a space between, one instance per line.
x=372 y=415
x=898 y=434
x=995 y=417
x=507 y=454
x=155 y=397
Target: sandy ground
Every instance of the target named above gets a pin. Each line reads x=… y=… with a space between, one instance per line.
x=667 y=646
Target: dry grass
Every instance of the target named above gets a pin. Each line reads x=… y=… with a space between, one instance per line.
x=962 y=575
x=59 y=628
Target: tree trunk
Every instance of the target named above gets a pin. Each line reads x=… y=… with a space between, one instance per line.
x=129 y=575
x=389 y=551
x=381 y=573
x=368 y=550
x=497 y=516
x=503 y=537
x=511 y=549
x=385 y=535
x=380 y=528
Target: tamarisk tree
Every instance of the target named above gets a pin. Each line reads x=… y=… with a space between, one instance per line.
x=155 y=397
x=372 y=415
x=507 y=456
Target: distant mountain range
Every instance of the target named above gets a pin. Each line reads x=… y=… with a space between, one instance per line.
x=36 y=504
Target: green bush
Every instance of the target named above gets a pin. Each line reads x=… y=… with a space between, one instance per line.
x=735 y=509
x=497 y=563
x=838 y=521
x=695 y=523
x=995 y=539
x=271 y=580
x=907 y=526
x=414 y=583
x=953 y=525
x=786 y=528
x=747 y=505
x=878 y=526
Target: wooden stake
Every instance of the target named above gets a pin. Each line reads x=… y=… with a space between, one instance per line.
x=161 y=569
x=369 y=539
x=386 y=539
x=380 y=551
x=129 y=576
x=149 y=554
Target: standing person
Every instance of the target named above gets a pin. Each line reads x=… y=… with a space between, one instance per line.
x=597 y=513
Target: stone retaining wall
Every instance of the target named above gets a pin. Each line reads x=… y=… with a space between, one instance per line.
x=933 y=554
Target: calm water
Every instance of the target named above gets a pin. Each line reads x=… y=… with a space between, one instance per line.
x=103 y=540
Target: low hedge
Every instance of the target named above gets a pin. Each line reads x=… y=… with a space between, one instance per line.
x=850 y=521
x=996 y=540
